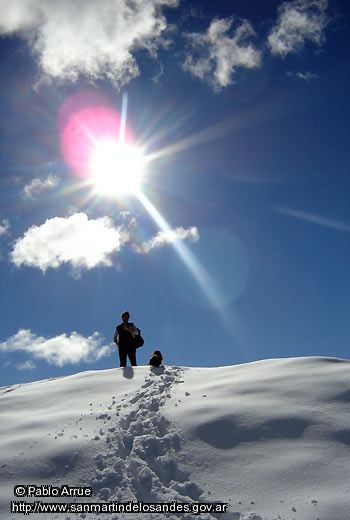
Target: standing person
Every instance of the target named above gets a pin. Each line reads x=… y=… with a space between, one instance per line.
x=124 y=337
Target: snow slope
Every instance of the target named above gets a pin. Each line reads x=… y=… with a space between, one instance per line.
x=270 y=438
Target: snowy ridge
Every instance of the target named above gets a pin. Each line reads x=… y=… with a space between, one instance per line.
x=269 y=438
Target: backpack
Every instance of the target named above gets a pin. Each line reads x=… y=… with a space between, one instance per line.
x=138 y=340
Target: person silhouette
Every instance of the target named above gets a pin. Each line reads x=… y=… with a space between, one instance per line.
x=156 y=359
x=124 y=338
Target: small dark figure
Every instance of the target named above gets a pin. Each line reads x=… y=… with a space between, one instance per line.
x=124 y=337
x=156 y=359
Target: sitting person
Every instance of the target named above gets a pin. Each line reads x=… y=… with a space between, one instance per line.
x=156 y=359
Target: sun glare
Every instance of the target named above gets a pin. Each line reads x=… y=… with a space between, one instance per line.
x=116 y=168
x=99 y=145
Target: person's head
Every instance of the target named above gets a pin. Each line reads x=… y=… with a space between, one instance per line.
x=125 y=317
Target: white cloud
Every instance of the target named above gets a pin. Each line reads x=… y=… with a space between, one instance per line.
x=298 y=21
x=4 y=227
x=60 y=350
x=218 y=55
x=96 y=39
x=38 y=186
x=86 y=244
x=163 y=238
x=76 y=240
x=27 y=365
x=303 y=76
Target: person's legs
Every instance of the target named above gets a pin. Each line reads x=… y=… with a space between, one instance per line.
x=122 y=356
x=132 y=356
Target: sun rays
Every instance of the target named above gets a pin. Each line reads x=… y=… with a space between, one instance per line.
x=99 y=145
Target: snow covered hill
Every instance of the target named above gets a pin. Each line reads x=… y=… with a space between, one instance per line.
x=270 y=439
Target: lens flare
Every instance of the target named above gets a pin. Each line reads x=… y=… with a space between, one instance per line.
x=99 y=147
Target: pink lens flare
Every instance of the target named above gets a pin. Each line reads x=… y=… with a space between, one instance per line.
x=85 y=122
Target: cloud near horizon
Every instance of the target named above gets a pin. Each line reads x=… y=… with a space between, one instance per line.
x=299 y=21
x=71 y=39
x=215 y=55
x=60 y=350
x=84 y=243
x=26 y=365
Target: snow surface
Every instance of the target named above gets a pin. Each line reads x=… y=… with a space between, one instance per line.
x=270 y=438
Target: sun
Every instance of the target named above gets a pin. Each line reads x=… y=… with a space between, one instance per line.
x=115 y=169
x=99 y=146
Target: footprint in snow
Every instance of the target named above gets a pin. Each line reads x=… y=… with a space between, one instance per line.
x=141 y=450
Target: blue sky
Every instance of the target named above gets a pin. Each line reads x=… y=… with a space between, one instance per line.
x=233 y=244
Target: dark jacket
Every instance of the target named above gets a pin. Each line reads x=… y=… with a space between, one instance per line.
x=125 y=337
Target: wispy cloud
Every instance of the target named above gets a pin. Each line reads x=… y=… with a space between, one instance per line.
x=164 y=238
x=38 y=186
x=316 y=219
x=26 y=365
x=76 y=240
x=303 y=76
x=85 y=37
x=60 y=350
x=216 y=54
x=4 y=227
x=298 y=21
